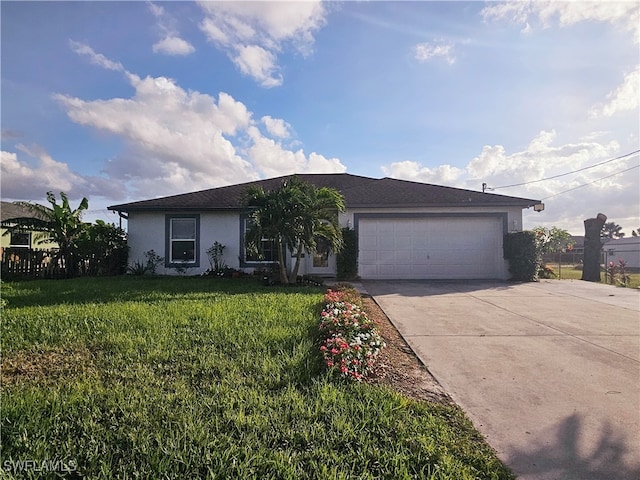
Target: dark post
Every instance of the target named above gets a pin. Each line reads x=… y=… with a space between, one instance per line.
x=592 y=247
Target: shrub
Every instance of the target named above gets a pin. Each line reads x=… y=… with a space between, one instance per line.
x=546 y=271
x=347 y=258
x=523 y=254
x=617 y=273
x=138 y=268
x=216 y=254
x=102 y=249
x=351 y=341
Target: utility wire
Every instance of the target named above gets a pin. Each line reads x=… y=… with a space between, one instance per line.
x=589 y=183
x=569 y=173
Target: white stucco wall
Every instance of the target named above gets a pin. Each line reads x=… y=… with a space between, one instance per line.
x=147 y=232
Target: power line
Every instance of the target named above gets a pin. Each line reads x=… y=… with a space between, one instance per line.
x=569 y=173
x=589 y=183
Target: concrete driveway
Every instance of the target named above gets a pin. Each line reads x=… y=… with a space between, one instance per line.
x=549 y=372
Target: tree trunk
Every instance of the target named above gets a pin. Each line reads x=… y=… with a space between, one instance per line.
x=293 y=278
x=592 y=248
x=284 y=279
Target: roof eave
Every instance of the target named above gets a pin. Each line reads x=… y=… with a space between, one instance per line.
x=128 y=209
x=527 y=204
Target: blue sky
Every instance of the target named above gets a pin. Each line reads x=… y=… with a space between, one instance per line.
x=122 y=101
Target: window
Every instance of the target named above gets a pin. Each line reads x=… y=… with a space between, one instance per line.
x=22 y=240
x=182 y=240
x=268 y=250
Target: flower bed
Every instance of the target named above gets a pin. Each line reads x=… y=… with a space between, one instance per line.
x=350 y=340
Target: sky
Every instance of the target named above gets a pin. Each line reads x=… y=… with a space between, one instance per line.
x=125 y=101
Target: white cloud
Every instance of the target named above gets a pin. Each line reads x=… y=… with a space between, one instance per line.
x=179 y=141
x=258 y=63
x=624 y=98
x=622 y=13
x=443 y=174
x=95 y=58
x=273 y=160
x=254 y=33
x=276 y=126
x=156 y=10
x=173 y=46
x=176 y=140
x=618 y=196
x=424 y=52
x=171 y=42
x=22 y=179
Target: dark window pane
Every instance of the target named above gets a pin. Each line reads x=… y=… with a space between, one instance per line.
x=20 y=240
x=183 y=251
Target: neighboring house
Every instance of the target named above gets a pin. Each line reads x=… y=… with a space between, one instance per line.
x=627 y=249
x=27 y=240
x=405 y=229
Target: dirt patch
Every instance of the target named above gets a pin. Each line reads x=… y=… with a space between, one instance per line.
x=46 y=367
x=397 y=366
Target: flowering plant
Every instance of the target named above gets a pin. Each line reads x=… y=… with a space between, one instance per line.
x=351 y=341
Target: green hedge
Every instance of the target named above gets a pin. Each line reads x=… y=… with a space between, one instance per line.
x=520 y=249
x=347 y=259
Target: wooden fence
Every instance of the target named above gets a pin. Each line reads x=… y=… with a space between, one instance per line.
x=28 y=263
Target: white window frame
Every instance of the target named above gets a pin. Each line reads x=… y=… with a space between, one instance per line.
x=170 y=240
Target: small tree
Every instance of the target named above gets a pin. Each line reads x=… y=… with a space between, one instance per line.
x=552 y=240
x=58 y=224
x=612 y=230
x=104 y=247
x=294 y=216
x=317 y=221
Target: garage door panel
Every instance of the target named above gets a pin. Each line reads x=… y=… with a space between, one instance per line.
x=403 y=257
x=368 y=242
x=386 y=257
x=387 y=240
x=368 y=257
x=420 y=257
x=431 y=248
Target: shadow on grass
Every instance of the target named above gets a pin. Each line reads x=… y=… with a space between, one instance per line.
x=608 y=458
x=133 y=289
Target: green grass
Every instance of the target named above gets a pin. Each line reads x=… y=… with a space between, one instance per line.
x=572 y=272
x=205 y=378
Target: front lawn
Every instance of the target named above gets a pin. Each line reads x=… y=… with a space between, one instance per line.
x=135 y=377
x=574 y=272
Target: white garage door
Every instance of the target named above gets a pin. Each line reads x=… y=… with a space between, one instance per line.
x=431 y=248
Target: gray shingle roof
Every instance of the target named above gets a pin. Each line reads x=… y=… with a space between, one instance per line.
x=358 y=191
x=10 y=210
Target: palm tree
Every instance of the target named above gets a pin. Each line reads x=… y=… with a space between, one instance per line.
x=318 y=221
x=293 y=216
x=270 y=219
x=58 y=223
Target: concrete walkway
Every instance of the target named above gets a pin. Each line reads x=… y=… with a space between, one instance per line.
x=549 y=372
